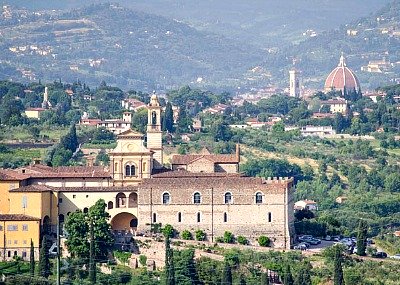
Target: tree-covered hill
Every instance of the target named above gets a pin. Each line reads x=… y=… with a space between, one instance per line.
x=376 y=37
x=118 y=45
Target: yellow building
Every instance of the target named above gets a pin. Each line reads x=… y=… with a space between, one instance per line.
x=17 y=231
x=9 y=180
x=34 y=113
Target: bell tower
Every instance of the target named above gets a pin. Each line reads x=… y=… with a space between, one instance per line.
x=295 y=83
x=154 y=132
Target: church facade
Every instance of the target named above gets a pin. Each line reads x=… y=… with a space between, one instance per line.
x=200 y=192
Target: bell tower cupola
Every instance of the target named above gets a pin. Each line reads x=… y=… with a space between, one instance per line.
x=154 y=132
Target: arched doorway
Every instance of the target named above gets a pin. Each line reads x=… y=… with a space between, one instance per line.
x=124 y=222
x=46 y=225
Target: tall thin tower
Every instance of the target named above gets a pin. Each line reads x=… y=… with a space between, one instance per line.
x=154 y=132
x=295 y=82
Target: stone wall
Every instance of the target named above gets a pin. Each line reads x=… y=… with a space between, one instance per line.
x=272 y=217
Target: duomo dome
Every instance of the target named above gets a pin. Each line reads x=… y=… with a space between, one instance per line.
x=342 y=78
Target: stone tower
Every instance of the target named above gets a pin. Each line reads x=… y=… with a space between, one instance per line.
x=154 y=132
x=46 y=103
x=295 y=83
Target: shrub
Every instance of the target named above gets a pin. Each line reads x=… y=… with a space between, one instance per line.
x=143 y=260
x=200 y=235
x=219 y=239
x=263 y=241
x=229 y=237
x=122 y=256
x=242 y=240
x=168 y=231
x=186 y=235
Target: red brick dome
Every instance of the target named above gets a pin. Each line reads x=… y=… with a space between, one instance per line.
x=342 y=77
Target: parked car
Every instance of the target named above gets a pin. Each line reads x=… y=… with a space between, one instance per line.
x=336 y=238
x=396 y=256
x=305 y=237
x=328 y=238
x=380 y=254
x=313 y=241
x=301 y=246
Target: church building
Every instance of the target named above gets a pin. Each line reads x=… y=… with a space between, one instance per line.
x=200 y=191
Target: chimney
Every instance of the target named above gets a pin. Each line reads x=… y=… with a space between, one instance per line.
x=237 y=152
x=36 y=161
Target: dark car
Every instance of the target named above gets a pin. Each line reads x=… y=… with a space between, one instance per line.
x=380 y=254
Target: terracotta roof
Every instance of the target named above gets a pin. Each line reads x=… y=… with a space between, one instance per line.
x=184 y=173
x=11 y=175
x=43 y=171
x=206 y=182
x=44 y=188
x=17 y=217
x=215 y=158
x=32 y=188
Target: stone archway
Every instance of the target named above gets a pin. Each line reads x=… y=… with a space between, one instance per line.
x=124 y=222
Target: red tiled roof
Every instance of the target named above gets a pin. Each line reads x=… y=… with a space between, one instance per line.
x=11 y=175
x=215 y=158
x=17 y=217
x=44 y=188
x=342 y=77
x=43 y=171
x=188 y=174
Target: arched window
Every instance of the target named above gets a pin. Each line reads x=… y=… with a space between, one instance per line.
x=130 y=170
x=154 y=218
x=179 y=217
x=269 y=217
x=198 y=217
x=228 y=198
x=197 y=198
x=61 y=218
x=259 y=198
x=144 y=167
x=133 y=223
x=85 y=210
x=120 y=200
x=165 y=198
x=154 y=118
x=225 y=217
x=115 y=167
x=132 y=201
x=110 y=205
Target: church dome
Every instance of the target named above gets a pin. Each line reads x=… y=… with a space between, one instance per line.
x=342 y=78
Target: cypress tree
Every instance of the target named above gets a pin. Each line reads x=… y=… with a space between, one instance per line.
x=264 y=279
x=287 y=277
x=44 y=263
x=338 y=270
x=362 y=237
x=32 y=260
x=303 y=276
x=227 y=275
x=168 y=122
x=169 y=263
x=242 y=280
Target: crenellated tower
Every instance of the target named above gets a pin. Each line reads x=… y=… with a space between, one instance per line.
x=154 y=132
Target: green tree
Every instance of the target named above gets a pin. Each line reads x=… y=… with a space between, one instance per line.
x=242 y=280
x=221 y=131
x=32 y=260
x=184 y=121
x=139 y=120
x=185 y=268
x=10 y=110
x=392 y=182
x=227 y=274
x=338 y=270
x=169 y=263
x=168 y=121
x=70 y=140
x=287 y=275
x=303 y=276
x=362 y=237
x=78 y=225
x=44 y=262
x=264 y=279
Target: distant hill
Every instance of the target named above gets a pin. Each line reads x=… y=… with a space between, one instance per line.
x=261 y=22
x=371 y=38
x=123 y=47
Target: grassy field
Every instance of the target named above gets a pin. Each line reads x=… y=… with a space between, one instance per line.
x=23 y=134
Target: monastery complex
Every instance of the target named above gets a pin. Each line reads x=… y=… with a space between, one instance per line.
x=200 y=191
